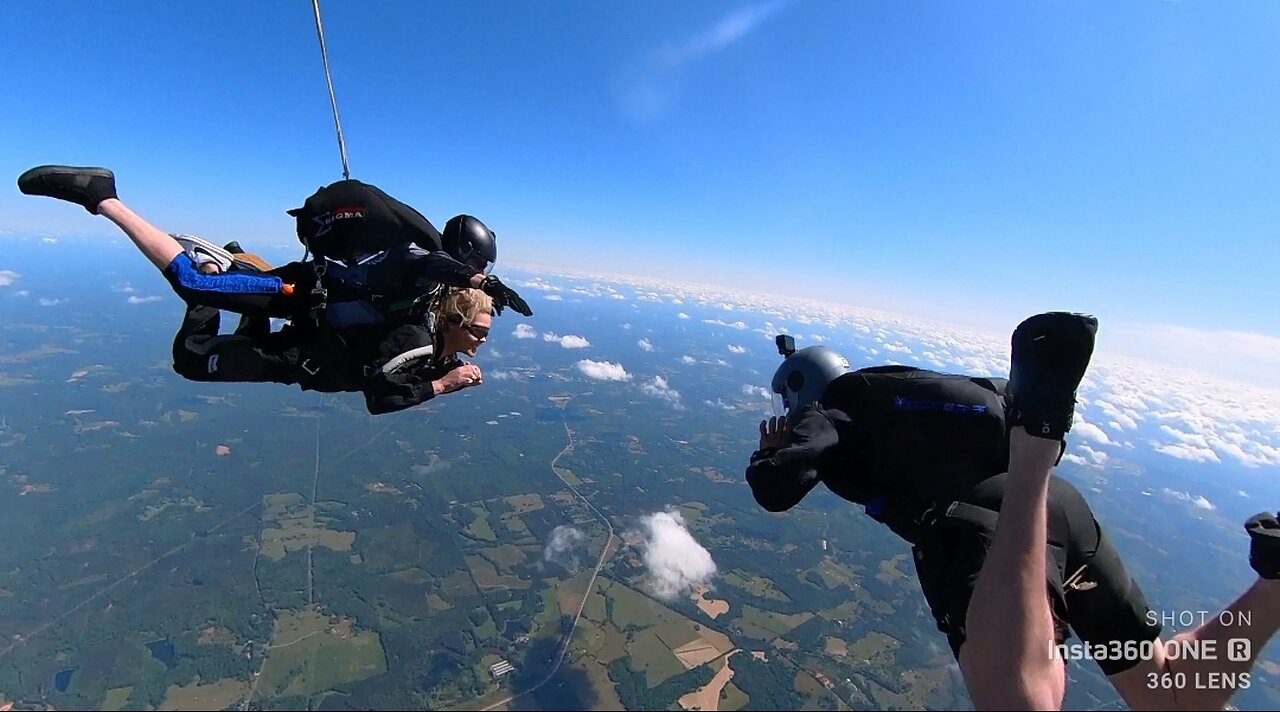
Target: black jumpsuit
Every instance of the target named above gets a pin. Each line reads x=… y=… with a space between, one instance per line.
x=357 y=339
x=927 y=454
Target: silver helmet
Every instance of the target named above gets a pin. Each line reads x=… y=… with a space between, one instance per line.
x=804 y=375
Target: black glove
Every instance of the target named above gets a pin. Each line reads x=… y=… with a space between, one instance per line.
x=504 y=296
x=1264 y=544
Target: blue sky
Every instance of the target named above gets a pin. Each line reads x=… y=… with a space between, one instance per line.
x=977 y=161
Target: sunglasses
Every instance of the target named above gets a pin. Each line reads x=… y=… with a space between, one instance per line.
x=479 y=332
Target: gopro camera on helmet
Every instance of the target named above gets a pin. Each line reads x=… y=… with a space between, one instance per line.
x=786 y=344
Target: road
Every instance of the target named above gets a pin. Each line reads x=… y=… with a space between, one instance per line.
x=604 y=553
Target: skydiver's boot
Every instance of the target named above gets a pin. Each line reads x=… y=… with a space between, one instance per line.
x=86 y=187
x=1051 y=353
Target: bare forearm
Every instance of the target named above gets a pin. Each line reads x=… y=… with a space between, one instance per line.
x=1206 y=659
x=1009 y=624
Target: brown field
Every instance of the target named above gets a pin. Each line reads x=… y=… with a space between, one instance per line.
x=615 y=644
x=598 y=674
x=515 y=524
x=695 y=653
x=707 y=698
x=872 y=645
x=487 y=577
x=595 y=610
x=889 y=571
x=436 y=603
x=718 y=640
x=836 y=646
x=713 y=607
x=569 y=593
x=505 y=556
x=214 y=696
x=116 y=699
x=480 y=528
x=523 y=503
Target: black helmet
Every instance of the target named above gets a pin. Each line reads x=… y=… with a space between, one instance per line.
x=804 y=375
x=470 y=242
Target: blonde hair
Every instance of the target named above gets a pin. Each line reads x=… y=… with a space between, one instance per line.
x=462 y=306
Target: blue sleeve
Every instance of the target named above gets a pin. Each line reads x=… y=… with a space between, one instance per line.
x=232 y=291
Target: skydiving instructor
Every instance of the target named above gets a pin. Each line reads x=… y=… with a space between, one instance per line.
x=1009 y=556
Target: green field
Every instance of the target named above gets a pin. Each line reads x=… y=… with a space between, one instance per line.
x=311 y=652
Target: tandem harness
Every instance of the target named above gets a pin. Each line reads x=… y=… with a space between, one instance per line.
x=957 y=517
x=326 y=341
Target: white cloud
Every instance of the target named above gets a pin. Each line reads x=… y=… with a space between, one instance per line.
x=737 y=349
x=649 y=87
x=540 y=284
x=46 y=302
x=574 y=342
x=682 y=315
x=726 y=31
x=524 y=331
x=603 y=370
x=554 y=298
x=688 y=359
x=1123 y=420
x=1188 y=452
x=721 y=322
x=676 y=562
x=1198 y=500
x=1089 y=431
x=561 y=548
x=1089 y=456
x=645 y=345
x=659 y=388
x=8 y=277
x=134 y=299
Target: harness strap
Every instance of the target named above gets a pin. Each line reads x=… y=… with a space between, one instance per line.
x=392 y=365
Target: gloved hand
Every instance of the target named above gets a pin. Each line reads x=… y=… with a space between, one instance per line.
x=1264 y=544
x=504 y=296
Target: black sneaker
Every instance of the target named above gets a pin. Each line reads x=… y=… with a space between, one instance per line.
x=233 y=247
x=86 y=187
x=1050 y=355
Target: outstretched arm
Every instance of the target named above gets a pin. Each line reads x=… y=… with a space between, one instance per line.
x=396 y=391
x=1209 y=679
x=1006 y=659
x=784 y=469
x=441 y=268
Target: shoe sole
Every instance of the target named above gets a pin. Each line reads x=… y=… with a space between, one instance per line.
x=26 y=180
x=191 y=242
